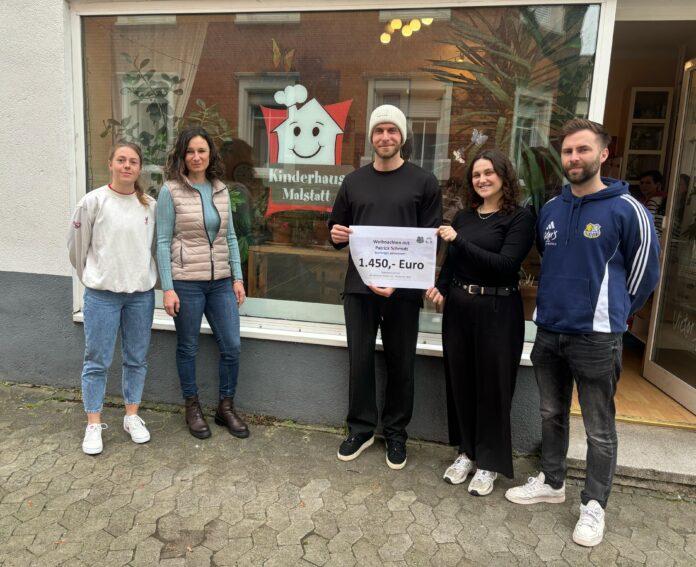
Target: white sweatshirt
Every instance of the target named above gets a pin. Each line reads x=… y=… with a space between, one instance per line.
x=111 y=240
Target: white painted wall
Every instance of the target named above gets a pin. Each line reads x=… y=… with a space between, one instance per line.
x=36 y=163
x=652 y=10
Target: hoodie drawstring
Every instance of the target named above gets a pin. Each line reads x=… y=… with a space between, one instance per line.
x=612 y=188
x=570 y=220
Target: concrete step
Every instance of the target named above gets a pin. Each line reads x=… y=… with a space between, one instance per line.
x=660 y=458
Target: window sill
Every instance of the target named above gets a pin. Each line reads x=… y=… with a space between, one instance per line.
x=326 y=334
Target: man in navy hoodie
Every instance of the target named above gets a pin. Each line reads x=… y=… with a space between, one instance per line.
x=599 y=265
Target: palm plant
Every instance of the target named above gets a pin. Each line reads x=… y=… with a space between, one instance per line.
x=496 y=59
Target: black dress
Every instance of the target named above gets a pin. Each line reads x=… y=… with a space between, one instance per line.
x=483 y=334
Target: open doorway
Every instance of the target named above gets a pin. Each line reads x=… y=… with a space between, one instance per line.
x=645 y=113
x=638 y=400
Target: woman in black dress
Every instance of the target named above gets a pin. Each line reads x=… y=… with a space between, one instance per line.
x=483 y=323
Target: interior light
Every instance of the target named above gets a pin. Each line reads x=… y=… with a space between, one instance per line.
x=415 y=25
x=385 y=38
x=427 y=21
x=388 y=28
x=396 y=24
x=406 y=31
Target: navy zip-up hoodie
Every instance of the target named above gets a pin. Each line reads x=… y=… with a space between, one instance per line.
x=600 y=260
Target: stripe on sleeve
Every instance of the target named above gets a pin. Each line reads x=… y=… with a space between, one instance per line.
x=640 y=261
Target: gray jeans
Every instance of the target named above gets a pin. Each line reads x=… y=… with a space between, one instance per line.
x=593 y=360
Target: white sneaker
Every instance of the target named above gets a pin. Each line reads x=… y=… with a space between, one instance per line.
x=92 y=443
x=134 y=425
x=482 y=483
x=457 y=472
x=589 y=530
x=536 y=490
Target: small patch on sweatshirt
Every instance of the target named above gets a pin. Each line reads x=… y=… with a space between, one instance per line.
x=550 y=234
x=76 y=224
x=147 y=220
x=593 y=230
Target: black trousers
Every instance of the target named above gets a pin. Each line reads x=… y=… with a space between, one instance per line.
x=398 y=321
x=483 y=337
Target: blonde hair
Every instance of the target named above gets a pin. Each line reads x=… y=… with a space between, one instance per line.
x=142 y=199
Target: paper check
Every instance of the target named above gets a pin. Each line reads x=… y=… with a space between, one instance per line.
x=387 y=256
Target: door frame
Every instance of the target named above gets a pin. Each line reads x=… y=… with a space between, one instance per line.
x=672 y=385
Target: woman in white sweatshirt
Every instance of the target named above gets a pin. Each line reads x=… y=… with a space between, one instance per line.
x=111 y=243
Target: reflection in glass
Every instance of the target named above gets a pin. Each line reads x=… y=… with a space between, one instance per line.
x=638 y=163
x=270 y=87
x=646 y=137
x=651 y=105
x=675 y=333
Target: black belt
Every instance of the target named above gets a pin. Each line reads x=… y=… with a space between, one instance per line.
x=475 y=289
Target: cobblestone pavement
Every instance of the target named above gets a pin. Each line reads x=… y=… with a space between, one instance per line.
x=281 y=498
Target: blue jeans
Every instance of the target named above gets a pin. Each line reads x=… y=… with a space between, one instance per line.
x=217 y=301
x=105 y=312
x=594 y=361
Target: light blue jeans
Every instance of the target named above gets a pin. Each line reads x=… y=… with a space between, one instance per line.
x=105 y=312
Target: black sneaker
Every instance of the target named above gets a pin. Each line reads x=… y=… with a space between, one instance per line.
x=354 y=445
x=396 y=455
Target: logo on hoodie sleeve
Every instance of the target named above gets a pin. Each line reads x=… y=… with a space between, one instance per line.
x=592 y=230
x=550 y=234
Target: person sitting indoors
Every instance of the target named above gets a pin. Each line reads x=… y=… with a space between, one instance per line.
x=653 y=197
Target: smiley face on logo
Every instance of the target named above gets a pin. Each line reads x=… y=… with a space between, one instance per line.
x=308 y=135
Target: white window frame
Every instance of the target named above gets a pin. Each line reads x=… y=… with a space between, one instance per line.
x=249 y=84
x=127 y=98
x=127 y=110
x=256 y=327
x=541 y=120
x=405 y=87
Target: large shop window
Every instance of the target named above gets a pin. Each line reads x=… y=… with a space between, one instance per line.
x=466 y=78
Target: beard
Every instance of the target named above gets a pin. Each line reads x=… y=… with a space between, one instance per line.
x=386 y=152
x=587 y=172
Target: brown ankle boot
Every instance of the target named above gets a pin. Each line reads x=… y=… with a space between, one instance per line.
x=197 y=425
x=227 y=417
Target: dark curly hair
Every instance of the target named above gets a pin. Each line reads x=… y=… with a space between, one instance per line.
x=505 y=170
x=176 y=162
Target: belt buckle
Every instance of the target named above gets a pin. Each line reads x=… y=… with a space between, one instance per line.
x=474 y=289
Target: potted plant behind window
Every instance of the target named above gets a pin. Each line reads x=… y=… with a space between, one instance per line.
x=148 y=88
x=495 y=61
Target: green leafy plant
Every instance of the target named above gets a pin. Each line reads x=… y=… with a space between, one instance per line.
x=208 y=117
x=148 y=88
x=498 y=58
x=242 y=220
x=151 y=89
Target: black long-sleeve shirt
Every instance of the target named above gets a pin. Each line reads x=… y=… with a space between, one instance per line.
x=408 y=196
x=487 y=251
